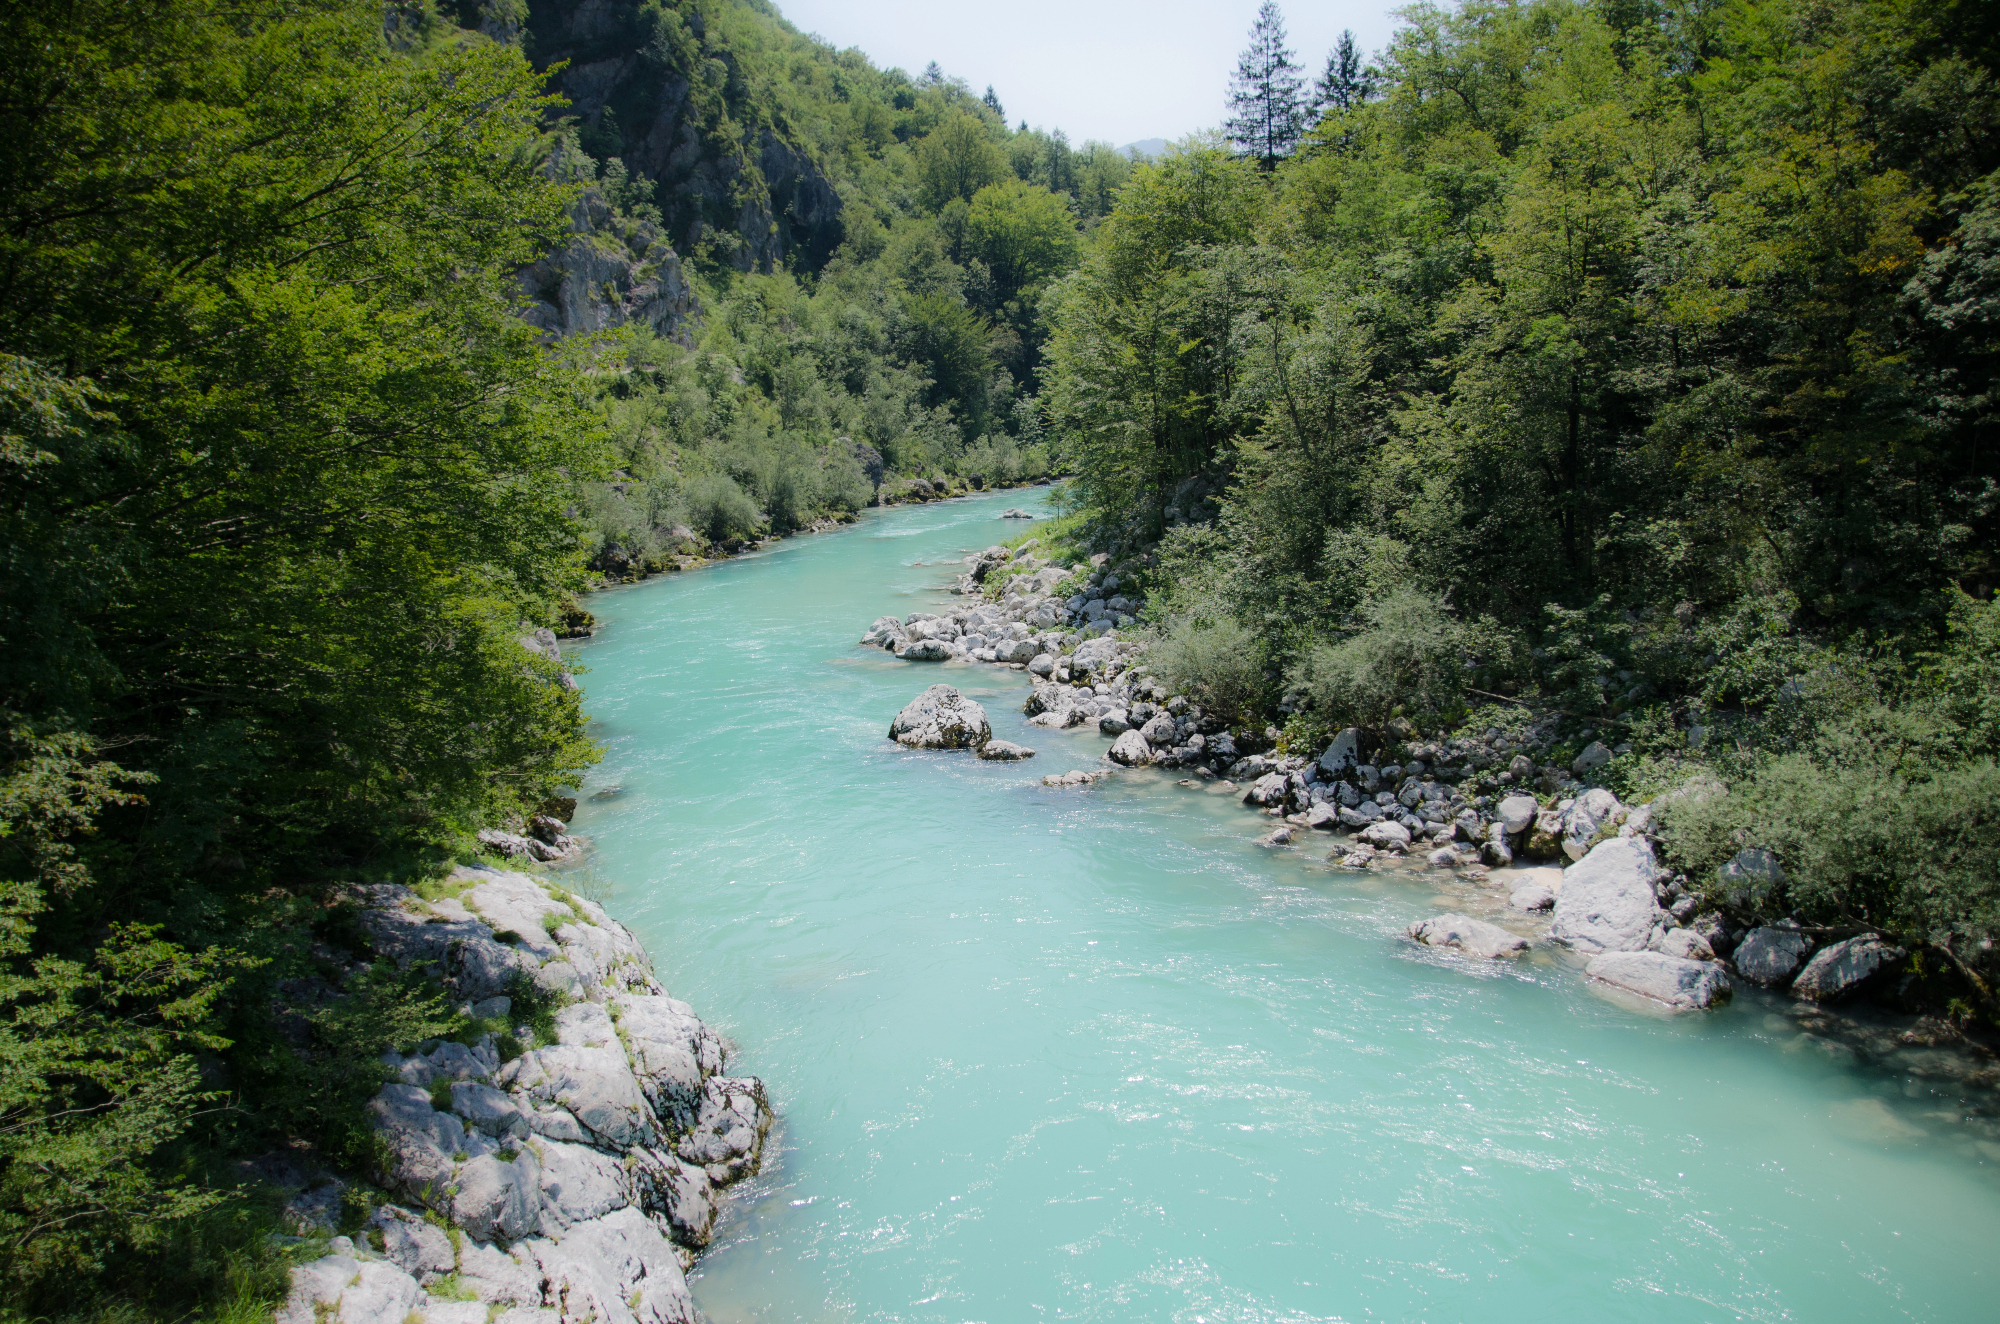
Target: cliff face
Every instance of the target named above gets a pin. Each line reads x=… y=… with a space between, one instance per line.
x=660 y=87
x=611 y=273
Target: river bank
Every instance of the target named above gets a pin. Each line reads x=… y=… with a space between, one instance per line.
x=562 y=1159
x=1467 y=801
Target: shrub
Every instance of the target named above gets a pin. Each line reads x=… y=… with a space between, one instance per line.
x=1408 y=653
x=719 y=509
x=1873 y=830
x=1880 y=794
x=1207 y=654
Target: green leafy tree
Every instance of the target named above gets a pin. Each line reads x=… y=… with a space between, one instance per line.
x=1026 y=235
x=956 y=160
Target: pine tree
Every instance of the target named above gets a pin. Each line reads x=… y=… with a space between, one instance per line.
x=1267 y=109
x=1347 y=82
x=993 y=104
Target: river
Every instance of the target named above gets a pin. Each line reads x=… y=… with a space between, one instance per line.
x=1094 y=1055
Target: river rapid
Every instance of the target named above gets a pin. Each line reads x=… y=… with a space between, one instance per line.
x=1094 y=1055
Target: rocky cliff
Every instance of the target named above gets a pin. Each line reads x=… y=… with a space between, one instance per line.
x=612 y=272
x=659 y=87
x=561 y=1169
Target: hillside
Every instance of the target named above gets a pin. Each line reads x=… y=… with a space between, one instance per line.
x=848 y=293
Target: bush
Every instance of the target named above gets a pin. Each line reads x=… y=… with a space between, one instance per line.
x=1873 y=828
x=1878 y=790
x=1207 y=654
x=719 y=509
x=1409 y=653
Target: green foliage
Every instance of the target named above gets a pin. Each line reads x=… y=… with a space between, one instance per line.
x=1656 y=339
x=1407 y=654
x=535 y=1008
x=316 y=1091
x=956 y=160
x=1025 y=234
x=720 y=509
x=1875 y=786
x=97 y=1071
x=286 y=479
x=1202 y=651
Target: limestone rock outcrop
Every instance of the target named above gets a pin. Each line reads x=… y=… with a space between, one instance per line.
x=578 y=1165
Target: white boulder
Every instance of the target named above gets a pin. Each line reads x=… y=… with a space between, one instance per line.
x=941 y=718
x=1670 y=979
x=1516 y=812
x=1131 y=750
x=1609 y=901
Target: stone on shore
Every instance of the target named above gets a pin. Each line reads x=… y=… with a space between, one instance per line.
x=1343 y=755
x=1592 y=810
x=1684 y=943
x=1531 y=896
x=1670 y=979
x=941 y=718
x=1770 y=956
x=1516 y=812
x=1844 y=969
x=1131 y=750
x=1004 y=751
x=1608 y=901
x=561 y=1173
x=1472 y=936
x=1386 y=835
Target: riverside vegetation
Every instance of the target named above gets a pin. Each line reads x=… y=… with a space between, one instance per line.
x=1609 y=380
x=1614 y=372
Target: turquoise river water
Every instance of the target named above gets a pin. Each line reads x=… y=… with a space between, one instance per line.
x=1094 y=1055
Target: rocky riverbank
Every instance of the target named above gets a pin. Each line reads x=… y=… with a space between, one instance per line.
x=1577 y=868
x=559 y=1162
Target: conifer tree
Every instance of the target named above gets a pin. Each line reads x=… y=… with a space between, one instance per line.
x=993 y=104
x=1347 y=82
x=1267 y=110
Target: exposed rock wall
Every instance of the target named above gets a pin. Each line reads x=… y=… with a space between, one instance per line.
x=683 y=117
x=607 y=276
x=577 y=1177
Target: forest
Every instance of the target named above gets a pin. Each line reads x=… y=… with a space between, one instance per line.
x=1629 y=360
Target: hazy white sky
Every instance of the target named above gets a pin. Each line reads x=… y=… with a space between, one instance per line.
x=1120 y=70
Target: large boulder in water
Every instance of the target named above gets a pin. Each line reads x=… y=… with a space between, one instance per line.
x=941 y=718
x=1471 y=936
x=1844 y=969
x=1608 y=901
x=1674 y=980
x=1131 y=750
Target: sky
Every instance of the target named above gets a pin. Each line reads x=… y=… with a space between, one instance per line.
x=1116 y=70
